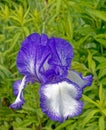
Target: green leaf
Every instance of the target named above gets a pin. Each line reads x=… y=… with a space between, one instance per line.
x=102 y=65
x=58 y=5
x=104 y=111
x=101 y=123
x=100 y=36
x=91 y=63
x=15 y=39
x=90 y=100
x=63 y=125
x=89 y=59
x=89 y=116
x=26 y=13
x=101 y=41
x=97 y=13
x=103 y=81
x=4 y=12
x=71 y=31
x=20 y=128
x=27 y=122
x=82 y=40
x=102 y=73
x=100 y=59
x=26 y=30
x=79 y=66
x=5 y=70
x=2 y=37
x=15 y=18
x=101 y=93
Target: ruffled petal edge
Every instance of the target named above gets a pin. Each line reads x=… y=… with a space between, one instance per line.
x=52 y=102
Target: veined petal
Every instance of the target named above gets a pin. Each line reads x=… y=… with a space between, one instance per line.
x=17 y=84
x=62 y=52
x=44 y=39
x=39 y=56
x=78 y=79
x=32 y=38
x=18 y=88
x=31 y=58
x=17 y=104
x=32 y=55
x=26 y=59
x=61 y=100
x=36 y=38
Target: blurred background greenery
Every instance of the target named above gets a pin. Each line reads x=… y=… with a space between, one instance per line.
x=83 y=24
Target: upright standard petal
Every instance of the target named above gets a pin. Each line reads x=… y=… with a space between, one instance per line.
x=39 y=56
x=18 y=88
x=37 y=39
x=32 y=38
x=62 y=52
x=26 y=59
x=61 y=100
x=30 y=59
x=78 y=79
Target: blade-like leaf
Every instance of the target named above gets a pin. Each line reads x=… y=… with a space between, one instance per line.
x=101 y=93
x=89 y=116
x=90 y=100
x=15 y=39
x=97 y=13
x=101 y=123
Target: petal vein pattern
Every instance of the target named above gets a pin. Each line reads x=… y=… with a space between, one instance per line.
x=62 y=52
x=31 y=58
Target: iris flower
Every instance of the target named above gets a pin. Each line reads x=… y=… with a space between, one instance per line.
x=47 y=61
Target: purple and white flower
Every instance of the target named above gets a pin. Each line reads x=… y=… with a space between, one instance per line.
x=47 y=61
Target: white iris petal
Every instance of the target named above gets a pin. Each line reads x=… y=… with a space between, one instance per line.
x=78 y=79
x=60 y=99
x=20 y=88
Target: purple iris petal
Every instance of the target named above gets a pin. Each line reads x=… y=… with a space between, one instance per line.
x=18 y=104
x=16 y=87
x=59 y=60
x=78 y=79
x=32 y=38
x=39 y=56
x=18 y=91
x=30 y=59
x=61 y=100
x=62 y=52
x=44 y=40
x=37 y=39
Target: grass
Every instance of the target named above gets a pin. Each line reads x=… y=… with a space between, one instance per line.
x=83 y=24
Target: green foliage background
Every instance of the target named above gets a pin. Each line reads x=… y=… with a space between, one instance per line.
x=83 y=24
